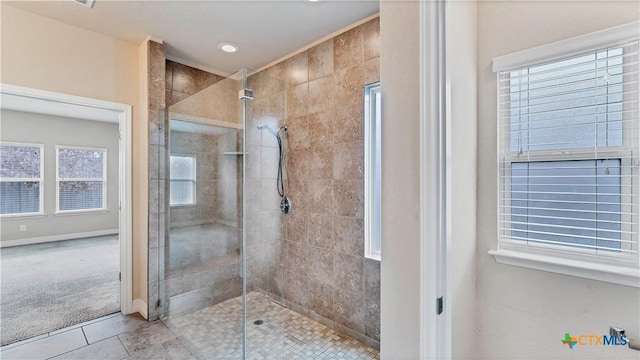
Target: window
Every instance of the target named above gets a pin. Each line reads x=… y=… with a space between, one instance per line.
x=81 y=179
x=21 y=179
x=183 y=180
x=568 y=154
x=372 y=155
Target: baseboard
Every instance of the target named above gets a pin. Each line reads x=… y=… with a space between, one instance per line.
x=140 y=306
x=51 y=238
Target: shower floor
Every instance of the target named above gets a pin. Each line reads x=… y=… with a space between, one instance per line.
x=215 y=332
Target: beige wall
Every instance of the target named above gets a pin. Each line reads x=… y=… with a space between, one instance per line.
x=524 y=313
x=41 y=53
x=400 y=266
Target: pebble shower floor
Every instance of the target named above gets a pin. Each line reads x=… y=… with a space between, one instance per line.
x=215 y=333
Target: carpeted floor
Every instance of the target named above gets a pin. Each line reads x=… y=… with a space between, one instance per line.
x=45 y=287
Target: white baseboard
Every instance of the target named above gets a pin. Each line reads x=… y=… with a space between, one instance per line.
x=140 y=306
x=51 y=238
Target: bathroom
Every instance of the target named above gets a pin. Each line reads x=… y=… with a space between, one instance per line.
x=296 y=263
x=304 y=141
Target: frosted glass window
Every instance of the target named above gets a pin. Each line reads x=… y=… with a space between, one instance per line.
x=182 y=188
x=81 y=178
x=21 y=175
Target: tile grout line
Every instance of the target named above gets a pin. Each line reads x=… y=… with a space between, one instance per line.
x=85 y=335
x=121 y=343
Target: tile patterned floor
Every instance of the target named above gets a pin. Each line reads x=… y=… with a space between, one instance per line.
x=215 y=333
x=210 y=333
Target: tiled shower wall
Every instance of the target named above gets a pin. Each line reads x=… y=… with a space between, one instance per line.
x=327 y=276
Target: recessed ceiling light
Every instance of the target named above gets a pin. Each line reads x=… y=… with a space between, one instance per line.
x=227 y=47
x=313 y=1
x=87 y=3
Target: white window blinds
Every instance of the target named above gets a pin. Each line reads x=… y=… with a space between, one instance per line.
x=568 y=153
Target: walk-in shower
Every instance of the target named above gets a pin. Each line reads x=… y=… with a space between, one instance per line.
x=227 y=277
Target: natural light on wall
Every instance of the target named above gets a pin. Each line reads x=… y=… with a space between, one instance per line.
x=568 y=151
x=372 y=174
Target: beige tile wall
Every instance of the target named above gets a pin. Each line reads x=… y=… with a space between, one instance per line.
x=326 y=274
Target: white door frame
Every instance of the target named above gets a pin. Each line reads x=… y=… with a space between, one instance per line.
x=435 y=188
x=28 y=99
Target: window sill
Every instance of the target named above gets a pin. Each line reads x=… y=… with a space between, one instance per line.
x=621 y=275
x=22 y=216
x=81 y=212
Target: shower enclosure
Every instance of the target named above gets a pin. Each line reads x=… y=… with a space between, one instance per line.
x=227 y=204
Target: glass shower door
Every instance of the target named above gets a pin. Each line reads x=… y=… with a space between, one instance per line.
x=221 y=273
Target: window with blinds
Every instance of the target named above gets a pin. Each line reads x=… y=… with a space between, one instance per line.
x=81 y=178
x=182 y=187
x=21 y=173
x=568 y=154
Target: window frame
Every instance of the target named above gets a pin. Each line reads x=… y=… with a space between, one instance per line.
x=193 y=180
x=104 y=207
x=618 y=268
x=372 y=162
x=40 y=180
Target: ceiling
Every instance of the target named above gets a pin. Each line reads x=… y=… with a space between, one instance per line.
x=264 y=30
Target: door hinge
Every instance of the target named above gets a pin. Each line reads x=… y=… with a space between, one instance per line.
x=439 y=305
x=119 y=276
x=158 y=303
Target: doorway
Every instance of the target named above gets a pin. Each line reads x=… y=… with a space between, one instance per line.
x=66 y=211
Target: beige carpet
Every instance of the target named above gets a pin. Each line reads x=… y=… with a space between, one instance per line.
x=46 y=287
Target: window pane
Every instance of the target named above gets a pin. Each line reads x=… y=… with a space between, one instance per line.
x=568 y=104
x=182 y=167
x=19 y=197
x=80 y=195
x=20 y=161
x=567 y=202
x=181 y=192
x=80 y=164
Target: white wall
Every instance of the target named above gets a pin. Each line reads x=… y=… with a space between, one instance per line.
x=525 y=313
x=52 y=131
x=400 y=265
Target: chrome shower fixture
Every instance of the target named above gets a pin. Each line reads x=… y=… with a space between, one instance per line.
x=285 y=203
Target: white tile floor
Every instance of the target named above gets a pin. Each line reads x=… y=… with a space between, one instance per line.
x=210 y=333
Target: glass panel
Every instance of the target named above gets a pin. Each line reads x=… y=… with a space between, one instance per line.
x=80 y=164
x=80 y=195
x=266 y=183
x=182 y=167
x=200 y=261
x=20 y=161
x=19 y=197
x=568 y=104
x=574 y=203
